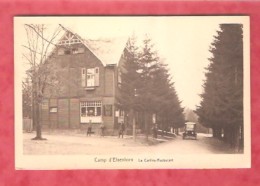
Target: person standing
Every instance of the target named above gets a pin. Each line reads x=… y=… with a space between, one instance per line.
x=89 y=130
x=102 y=128
x=121 y=130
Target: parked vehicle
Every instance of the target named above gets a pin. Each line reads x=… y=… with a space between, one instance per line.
x=190 y=130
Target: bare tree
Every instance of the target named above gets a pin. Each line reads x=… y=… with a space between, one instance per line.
x=39 y=45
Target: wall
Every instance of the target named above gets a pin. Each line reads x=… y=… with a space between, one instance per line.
x=67 y=73
x=68 y=92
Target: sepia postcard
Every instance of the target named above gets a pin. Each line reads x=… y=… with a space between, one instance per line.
x=132 y=92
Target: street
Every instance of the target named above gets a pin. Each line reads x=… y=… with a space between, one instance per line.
x=81 y=144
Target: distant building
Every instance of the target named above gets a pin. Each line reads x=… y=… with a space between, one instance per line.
x=88 y=74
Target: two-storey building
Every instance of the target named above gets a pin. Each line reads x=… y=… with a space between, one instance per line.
x=88 y=76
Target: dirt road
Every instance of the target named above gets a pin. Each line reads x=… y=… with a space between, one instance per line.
x=81 y=144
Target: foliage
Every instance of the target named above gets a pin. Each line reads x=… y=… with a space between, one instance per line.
x=37 y=56
x=222 y=101
x=147 y=88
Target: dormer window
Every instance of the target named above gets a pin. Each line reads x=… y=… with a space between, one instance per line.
x=78 y=50
x=74 y=50
x=67 y=52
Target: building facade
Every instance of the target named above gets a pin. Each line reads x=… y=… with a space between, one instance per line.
x=87 y=73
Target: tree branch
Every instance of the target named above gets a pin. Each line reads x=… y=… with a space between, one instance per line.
x=39 y=34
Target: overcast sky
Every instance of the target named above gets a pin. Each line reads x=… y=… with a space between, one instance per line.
x=182 y=41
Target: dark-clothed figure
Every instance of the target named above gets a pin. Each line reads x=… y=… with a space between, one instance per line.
x=121 y=130
x=89 y=129
x=102 y=128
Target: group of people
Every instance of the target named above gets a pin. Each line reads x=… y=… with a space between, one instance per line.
x=121 y=129
x=89 y=129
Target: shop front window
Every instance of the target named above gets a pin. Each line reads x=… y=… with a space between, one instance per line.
x=91 y=110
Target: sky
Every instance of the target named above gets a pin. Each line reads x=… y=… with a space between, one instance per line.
x=182 y=41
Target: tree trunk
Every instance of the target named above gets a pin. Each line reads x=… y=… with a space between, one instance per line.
x=33 y=114
x=214 y=132
x=133 y=120
x=38 y=123
x=134 y=128
x=177 y=131
x=229 y=136
x=219 y=133
x=146 y=121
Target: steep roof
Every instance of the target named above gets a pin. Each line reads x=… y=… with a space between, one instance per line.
x=107 y=50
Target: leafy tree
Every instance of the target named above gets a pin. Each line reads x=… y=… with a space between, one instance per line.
x=39 y=44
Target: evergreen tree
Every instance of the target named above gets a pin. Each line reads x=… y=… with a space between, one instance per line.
x=129 y=77
x=127 y=98
x=146 y=88
x=168 y=107
x=222 y=101
x=148 y=64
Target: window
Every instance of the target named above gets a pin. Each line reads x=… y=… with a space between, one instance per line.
x=53 y=109
x=83 y=111
x=74 y=50
x=91 y=77
x=90 y=110
x=67 y=51
x=79 y=50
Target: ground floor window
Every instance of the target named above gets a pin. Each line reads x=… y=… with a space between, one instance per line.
x=90 y=111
